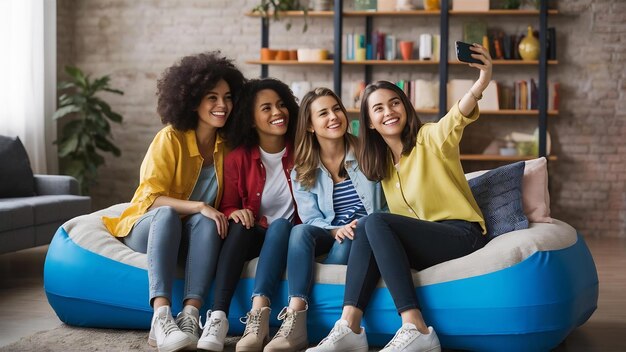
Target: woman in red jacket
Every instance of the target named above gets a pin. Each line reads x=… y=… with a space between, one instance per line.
x=259 y=204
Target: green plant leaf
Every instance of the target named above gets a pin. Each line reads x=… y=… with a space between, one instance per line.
x=116 y=91
x=77 y=75
x=106 y=110
x=68 y=109
x=65 y=85
x=68 y=146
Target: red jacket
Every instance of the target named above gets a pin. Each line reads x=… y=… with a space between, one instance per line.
x=244 y=180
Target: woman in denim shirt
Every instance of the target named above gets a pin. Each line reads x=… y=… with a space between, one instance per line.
x=332 y=194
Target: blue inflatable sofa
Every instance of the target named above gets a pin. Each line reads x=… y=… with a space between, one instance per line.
x=525 y=291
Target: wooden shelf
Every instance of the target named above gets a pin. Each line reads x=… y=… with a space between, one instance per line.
x=501 y=13
x=508 y=62
x=392 y=13
x=419 y=111
x=404 y=13
x=294 y=14
x=517 y=112
x=390 y=62
x=289 y=62
x=488 y=157
x=483 y=112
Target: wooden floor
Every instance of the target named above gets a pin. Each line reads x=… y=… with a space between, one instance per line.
x=25 y=310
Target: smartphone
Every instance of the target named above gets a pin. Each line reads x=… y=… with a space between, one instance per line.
x=463 y=53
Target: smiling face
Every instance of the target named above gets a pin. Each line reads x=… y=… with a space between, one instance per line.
x=327 y=119
x=387 y=113
x=271 y=116
x=215 y=106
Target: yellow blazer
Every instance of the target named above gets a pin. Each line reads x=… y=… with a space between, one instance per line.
x=429 y=183
x=170 y=168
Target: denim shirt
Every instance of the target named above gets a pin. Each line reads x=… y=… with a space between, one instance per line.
x=315 y=205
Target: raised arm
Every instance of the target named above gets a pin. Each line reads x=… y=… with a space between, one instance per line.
x=470 y=99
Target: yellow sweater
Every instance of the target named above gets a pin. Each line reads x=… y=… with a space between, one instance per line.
x=429 y=183
x=170 y=168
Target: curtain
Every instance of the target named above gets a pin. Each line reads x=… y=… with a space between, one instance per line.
x=23 y=84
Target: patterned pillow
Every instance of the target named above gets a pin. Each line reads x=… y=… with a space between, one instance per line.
x=16 y=176
x=499 y=196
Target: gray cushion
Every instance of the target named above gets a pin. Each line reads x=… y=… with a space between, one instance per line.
x=16 y=176
x=55 y=208
x=499 y=196
x=15 y=214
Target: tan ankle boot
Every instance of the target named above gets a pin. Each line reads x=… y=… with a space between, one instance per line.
x=292 y=334
x=257 y=332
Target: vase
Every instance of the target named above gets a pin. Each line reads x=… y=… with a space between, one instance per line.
x=529 y=46
x=406 y=50
x=431 y=4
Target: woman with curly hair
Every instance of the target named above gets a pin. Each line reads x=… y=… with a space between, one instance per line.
x=174 y=209
x=258 y=202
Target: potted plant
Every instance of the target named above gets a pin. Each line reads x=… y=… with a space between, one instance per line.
x=273 y=8
x=89 y=131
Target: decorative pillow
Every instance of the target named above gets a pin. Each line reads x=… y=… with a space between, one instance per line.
x=535 y=195
x=16 y=176
x=499 y=195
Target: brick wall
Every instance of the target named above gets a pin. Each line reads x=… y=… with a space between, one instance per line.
x=134 y=41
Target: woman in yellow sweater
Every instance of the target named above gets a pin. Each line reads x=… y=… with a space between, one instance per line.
x=180 y=188
x=433 y=215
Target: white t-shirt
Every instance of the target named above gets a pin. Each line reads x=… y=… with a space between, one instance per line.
x=276 y=201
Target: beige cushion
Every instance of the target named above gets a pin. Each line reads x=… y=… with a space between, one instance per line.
x=504 y=251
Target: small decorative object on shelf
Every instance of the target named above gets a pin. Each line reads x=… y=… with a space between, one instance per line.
x=529 y=46
x=511 y=4
x=404 y=5
x=470 y=5
x=431 y=5
x=322 y=5
x=365 y=5
x=387 y=5
x=406 y=49
x=273 y=8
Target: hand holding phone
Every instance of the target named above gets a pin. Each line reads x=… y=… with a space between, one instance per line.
x=464 y=53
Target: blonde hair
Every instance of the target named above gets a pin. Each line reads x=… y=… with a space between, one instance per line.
x=307 y=148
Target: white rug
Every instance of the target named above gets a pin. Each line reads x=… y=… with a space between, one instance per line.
x=70 y=339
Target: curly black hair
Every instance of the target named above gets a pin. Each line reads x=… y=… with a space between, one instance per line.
x=183 y=85
x=240 y=126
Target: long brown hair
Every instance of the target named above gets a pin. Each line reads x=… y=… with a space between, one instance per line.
x=373 y=155
x=307 y=149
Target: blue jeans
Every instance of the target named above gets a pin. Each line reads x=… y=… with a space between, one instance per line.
x=243 y=244
x=272 y=259
x=393 y=245
x=161 y=234
x=305 y=244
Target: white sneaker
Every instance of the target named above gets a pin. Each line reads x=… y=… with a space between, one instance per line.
x=164 y=334
x=408 y=338
x=342 y=338
x=214 y=331
x=188 y=322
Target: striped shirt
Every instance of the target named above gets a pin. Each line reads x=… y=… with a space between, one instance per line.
x=347 y=204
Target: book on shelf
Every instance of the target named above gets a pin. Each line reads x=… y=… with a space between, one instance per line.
x=436 y=46
x=473 y=32
x=525 y=95
x=385 y=47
